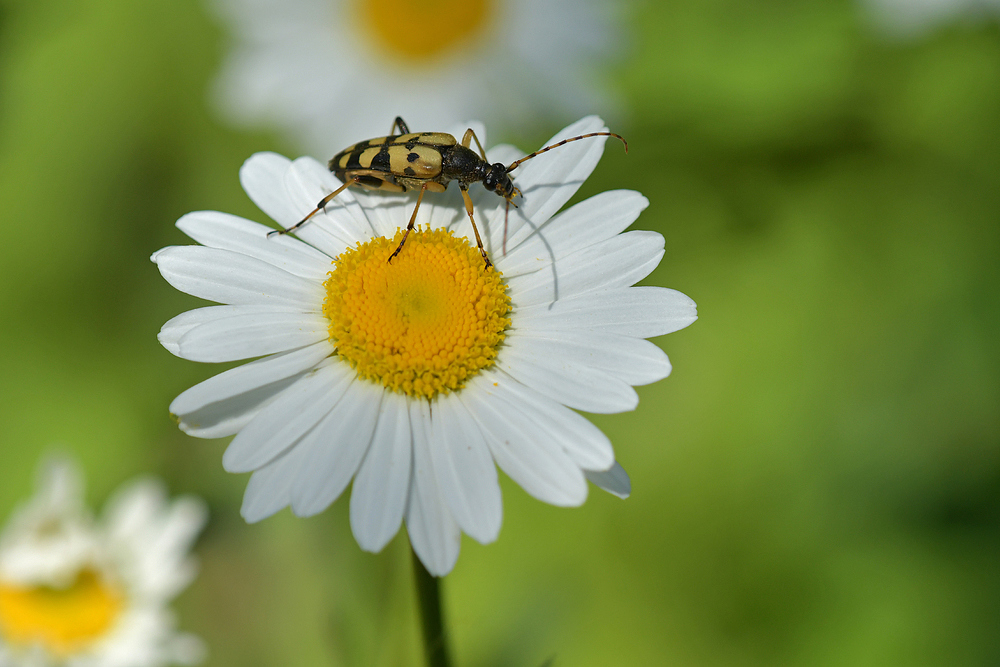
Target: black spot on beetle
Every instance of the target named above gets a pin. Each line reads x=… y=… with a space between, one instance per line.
x=409 y=170
x=412 y=157
x=381 y=160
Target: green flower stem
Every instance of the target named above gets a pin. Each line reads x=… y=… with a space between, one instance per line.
x=429 y=596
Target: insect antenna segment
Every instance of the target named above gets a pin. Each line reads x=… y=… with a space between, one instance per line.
x=515 y=163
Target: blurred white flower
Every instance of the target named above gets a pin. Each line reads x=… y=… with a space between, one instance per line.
x=332 y=72
x=80 y=592
x=914 y=18
x=418 y=377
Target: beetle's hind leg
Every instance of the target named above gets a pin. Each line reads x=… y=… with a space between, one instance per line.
x=319 y=207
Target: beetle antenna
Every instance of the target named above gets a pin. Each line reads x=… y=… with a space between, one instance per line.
x=515 y=163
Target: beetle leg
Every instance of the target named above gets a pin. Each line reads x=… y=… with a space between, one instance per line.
x=319 y=207
x=467 y=142
x=468 y=209
x=401 y=124
x=409 y=227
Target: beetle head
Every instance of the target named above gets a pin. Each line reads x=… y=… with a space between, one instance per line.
x=497 y=180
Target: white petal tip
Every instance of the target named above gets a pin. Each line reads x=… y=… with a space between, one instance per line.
x=170 y=346
x=265 y=157
x=613 y=480
x=233 y=462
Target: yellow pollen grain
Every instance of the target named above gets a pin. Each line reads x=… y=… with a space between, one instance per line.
x=423 y=324
x=64 y=620
x=423 y=31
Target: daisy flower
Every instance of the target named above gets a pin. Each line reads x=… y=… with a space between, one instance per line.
x=309 y=65
x=418 y=377
x=83 y=592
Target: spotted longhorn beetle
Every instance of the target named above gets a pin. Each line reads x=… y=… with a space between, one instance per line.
x=426 y=161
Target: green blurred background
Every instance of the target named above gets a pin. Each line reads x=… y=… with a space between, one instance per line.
x=816 y=484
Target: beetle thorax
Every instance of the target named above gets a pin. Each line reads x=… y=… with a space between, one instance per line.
x=463 y=164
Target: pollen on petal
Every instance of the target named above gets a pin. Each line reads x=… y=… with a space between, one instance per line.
x=424 y=323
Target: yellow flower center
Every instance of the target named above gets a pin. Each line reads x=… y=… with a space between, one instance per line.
x=63 y=620
x=422 y=324
x=426 y=29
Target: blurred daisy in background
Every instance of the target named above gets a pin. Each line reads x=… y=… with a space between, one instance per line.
x=330 y=71
x=914 y=18
x=79 y=591
x=418 y=377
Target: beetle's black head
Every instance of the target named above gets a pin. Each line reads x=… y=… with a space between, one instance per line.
x=497 y=180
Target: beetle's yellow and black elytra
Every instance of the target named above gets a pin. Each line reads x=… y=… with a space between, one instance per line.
x=384 y=160
x=426 y=161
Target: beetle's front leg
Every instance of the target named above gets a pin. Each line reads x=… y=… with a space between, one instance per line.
x=468 y=209
x=409 y=227
x=467 y=142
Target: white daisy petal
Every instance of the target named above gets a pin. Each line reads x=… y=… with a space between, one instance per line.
x=271 y=432
x=224 y=404
x=332 y=452
x=591 y=221
x=434 y=534
x=539 y=465
x=465 y=470
x=245 y=336
x=228 y=277
x=171 y=332
x=586 y=444
x=230 y=232
x=577 y=385
x=174 y=330
x=632 y=360
x=249 y=377
x=382 y=485
x=237 y=414
x=618 y=262
x=387 y=212
x=614 y=480
x=229 y=416
x=642 y=312
x=270 y=489
x=262 y=176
